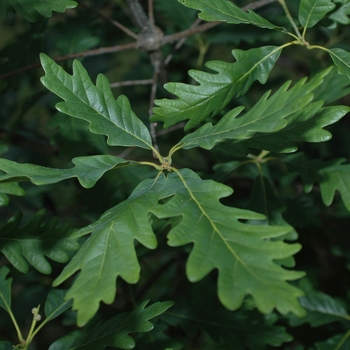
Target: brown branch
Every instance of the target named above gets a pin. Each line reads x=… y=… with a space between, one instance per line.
x=110 y=20
x=111 y=49
x=132 y=82
x=94 y=52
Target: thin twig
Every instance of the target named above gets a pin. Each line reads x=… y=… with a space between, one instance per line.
x=180 y=43
x=111 y=49
x=94 y=52
x=150 y=12
x=132 y=82
x=110 y=20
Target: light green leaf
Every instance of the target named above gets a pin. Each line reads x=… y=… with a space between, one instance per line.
x=312 y=11
x=31 y=242
x=341 y=59
x=95 y=104
x=11 y=188
x=30 y=9
x=215 y=91
x=223 y=10
x=88 y=170
x=267 y=116
x=243 y=254
x=110 y=251
x=5 y=289
x=56 y=304
x=115 y=332
x=331 y=176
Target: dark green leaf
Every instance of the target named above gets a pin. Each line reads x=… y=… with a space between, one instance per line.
x=88 y=170
x=223 y=10
x=246 y=329
x=110 y=251
x=115 y=332
x=268 y=115
x=34 y=240
x=198 y=102
x=312 y=11
x=95 y=104
x=331 y=176
x=341 y=15
x=56 y=304
x=339 y=341
x=30 y=9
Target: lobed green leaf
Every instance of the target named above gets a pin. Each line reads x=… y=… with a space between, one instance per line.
x=223 y=10
x=198 y=102
x=88 y=170
x=35 y=240
x=331 y=176
x=269 y=115
x=114 y=332
x=312 y=11
x=30 y=9
x=95 y=104
x=243 y=254
x=341 y=15
x=110 y=251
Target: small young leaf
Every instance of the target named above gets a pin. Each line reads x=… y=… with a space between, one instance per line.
x=243 y=254
x=88 y=170
x=5 y=289
x=115 y=332
x=56 y=304
x=214 y=92
x=30 y=9
x=31 y=242
x=312 y=11
x=223 y=10
x=95 y=104
x=341 y=59
x=110 y=251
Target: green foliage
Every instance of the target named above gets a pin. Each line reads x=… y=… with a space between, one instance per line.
x=221 y=214
x=31 y=242
x=30 y=9
x=114 y=332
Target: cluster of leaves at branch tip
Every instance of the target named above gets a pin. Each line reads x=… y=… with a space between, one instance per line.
x=247 y=248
